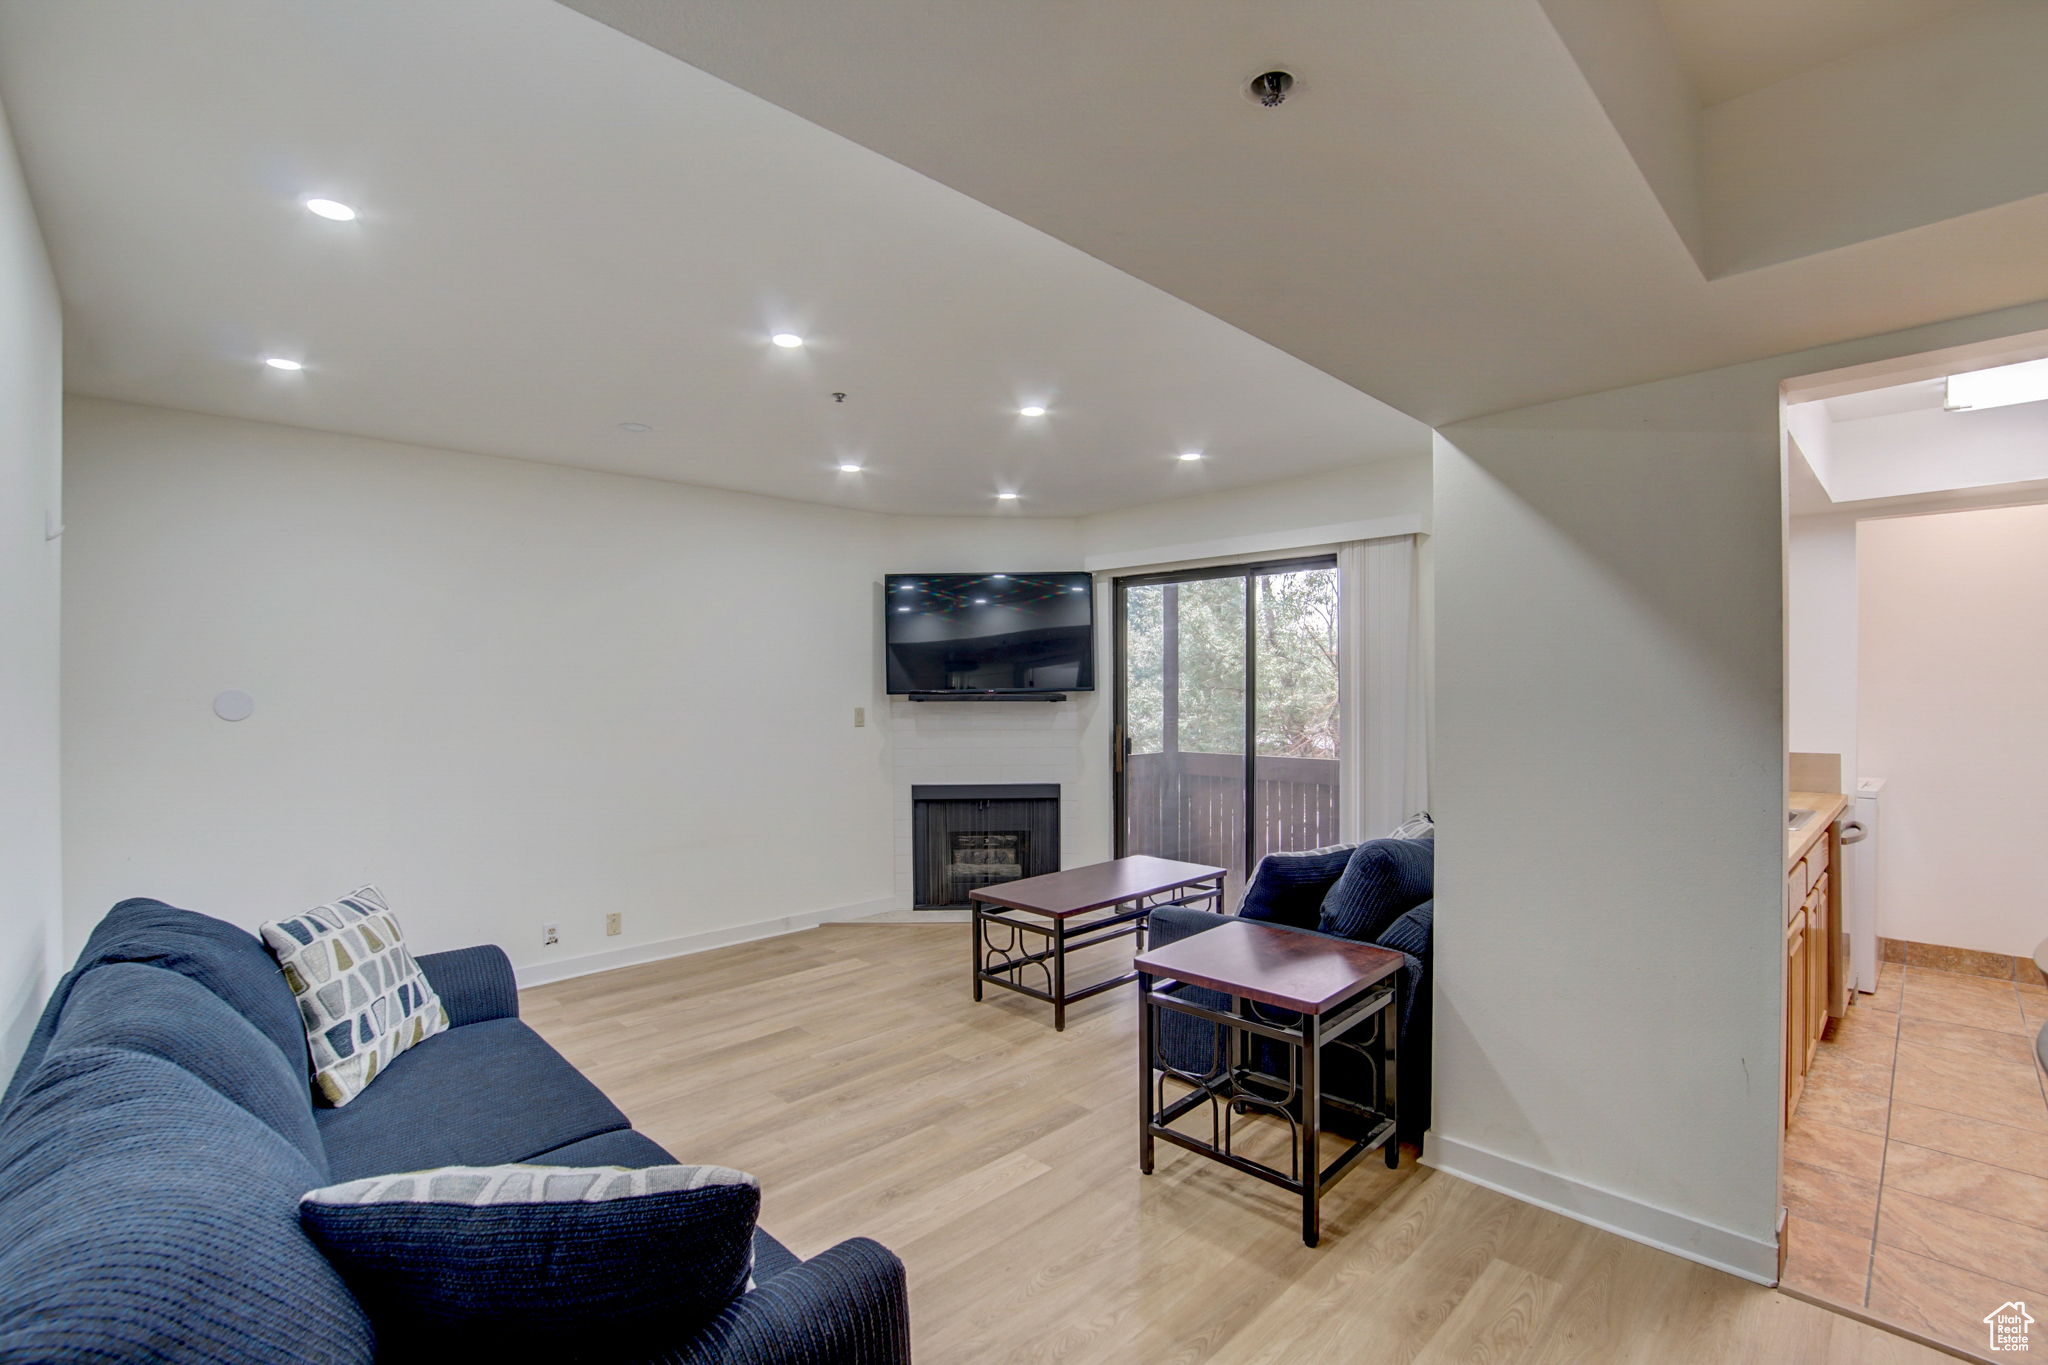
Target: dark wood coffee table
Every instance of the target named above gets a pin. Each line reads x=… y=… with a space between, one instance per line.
x=1055 y=907
x=1302 y=990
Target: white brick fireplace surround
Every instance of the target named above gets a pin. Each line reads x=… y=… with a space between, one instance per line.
x=997 y=741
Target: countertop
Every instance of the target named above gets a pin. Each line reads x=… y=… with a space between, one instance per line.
x=1828 y=807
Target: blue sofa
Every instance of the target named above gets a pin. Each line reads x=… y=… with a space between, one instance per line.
x=160 y=1129
x=1382 y=892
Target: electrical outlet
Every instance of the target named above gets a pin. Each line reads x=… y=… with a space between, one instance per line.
x=550 y=935
x=860 y=716
x=611 y=922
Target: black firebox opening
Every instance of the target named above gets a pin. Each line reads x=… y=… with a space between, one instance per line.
x=967 y=837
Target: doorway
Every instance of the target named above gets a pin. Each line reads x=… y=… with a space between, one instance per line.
x=1917 y=510
x=1226 y=741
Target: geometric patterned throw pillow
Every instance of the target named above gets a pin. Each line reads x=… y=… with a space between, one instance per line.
x=1416 y=826
x=362 y=997
x=470 y=1262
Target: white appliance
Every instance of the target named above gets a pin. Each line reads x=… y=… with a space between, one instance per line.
x=1859 y=837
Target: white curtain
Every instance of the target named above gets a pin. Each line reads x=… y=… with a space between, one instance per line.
x=1383 y=776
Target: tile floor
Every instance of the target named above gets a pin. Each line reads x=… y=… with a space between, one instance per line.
x=1916 y=1166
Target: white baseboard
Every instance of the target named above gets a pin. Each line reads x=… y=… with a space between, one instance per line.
x=1750 y=1258
x=864 y=910
x=541 y=973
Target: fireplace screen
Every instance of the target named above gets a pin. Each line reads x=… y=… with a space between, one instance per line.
x=979 y=837
x=985 y=859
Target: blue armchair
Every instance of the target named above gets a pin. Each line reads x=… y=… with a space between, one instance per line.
x=1380 y=892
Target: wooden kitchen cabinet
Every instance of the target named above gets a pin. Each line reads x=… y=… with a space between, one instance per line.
x=1816 y=966
x=1798 y=1021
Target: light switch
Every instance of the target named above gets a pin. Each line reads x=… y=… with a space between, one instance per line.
x=860 y=716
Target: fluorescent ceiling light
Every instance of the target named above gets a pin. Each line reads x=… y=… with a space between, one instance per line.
x=331 y=208
x=278 y=362
x=2026 y=382
x=789 y=339
x=1031 y=411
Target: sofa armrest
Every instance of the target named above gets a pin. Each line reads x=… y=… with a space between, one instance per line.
x=849 y=1305
x=474 y=984
x=1172 y=923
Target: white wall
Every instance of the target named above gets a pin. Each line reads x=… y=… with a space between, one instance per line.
x=1820 y=640
x=1812 y=430
x=31 y=381
x=1290 y=513
x=1932 y=450
x=1608 y=779
x=1271 y=518
x=507 y=692
x=513 y=693
x=1954 y=717
x=974 y=742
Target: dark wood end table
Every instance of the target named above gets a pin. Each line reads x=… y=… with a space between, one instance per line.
x=1332 y=987
x=1056 y=907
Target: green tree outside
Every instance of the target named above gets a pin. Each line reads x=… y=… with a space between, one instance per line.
x=1297 y=665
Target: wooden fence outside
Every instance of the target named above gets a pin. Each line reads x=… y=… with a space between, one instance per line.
x=1191 y=807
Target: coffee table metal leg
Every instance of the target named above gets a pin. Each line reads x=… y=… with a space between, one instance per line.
x=1059 y=976
x=974 y=945
x=1146 y=1026
x=1311 y=1128
x=1390 y=1049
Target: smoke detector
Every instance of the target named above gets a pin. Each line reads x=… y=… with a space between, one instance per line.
x=1270 y=89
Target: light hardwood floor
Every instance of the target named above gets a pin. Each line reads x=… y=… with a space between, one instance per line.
x=848 y=1068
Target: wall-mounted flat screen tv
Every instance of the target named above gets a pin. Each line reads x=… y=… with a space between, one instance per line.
x=990 y=632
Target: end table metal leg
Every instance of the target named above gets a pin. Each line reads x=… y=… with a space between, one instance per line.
x=1059 y=975
x=1145 y=1046
x=974 y=944
x=1311 y=1129
x=1390 y=1049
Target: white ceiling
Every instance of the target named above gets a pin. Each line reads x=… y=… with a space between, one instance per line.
x=563 y=230
x=1447 y=215
x=1731 y=47
x=1898 y=449
x=1924 y=395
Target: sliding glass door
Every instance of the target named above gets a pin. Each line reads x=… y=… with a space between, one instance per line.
x=1226 y=738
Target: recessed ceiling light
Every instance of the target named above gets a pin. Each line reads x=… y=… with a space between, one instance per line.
x=331 y=208
x=2026 y=382
x=634 y=426
x=849 y=469
x=788 y=339
x=1007 y=497
x=1191 y=454
x=1031 y=410
x=278 y=362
